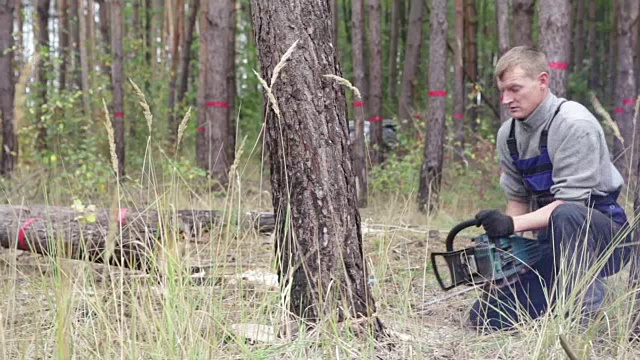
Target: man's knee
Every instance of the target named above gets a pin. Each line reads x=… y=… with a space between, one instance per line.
x=569 y=213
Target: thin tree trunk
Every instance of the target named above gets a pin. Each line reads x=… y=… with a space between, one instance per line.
x=91 y=36
x=9 y=148
x=19 y=55
x=117 y=79
x=359 y=109
x=334 y=24
x=592 y=45
x=231 y=80
x=580 y=35
x=611 y=63
x=216 y=104
x=103 y=14
x=63 y=36
x=410 y=69
x=42 y=73
x=459 y=103
x=186 y=53
x=502 y=15
x=375 y=82
x=175 y=54
x=431 y=171
x=523 y=11
x=74 y=6
x=555 y=41
x=625 y=94
x=84 y=57
x=319 y=242
x=201 y=135
x=471 y=56
x=394 y=40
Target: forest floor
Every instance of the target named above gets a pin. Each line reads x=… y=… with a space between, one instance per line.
x=56 y=308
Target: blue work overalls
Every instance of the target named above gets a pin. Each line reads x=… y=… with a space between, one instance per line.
x=498 y=308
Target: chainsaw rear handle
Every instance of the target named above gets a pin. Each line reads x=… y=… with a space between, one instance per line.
x=456 y=229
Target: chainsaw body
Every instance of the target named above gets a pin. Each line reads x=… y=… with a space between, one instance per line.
x=497 y=260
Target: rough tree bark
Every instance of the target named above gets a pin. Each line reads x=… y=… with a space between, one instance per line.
x=176 y=42
x=318 y=237
x=42 y=9
x=580 y=35
x=431 y=171
x=63 y=39
x=394 y=40
x=186 y=53
x=592 y=45
x=231 y=81
x=103 y=15
x=359 y=109
x=84 y=56
x=502 y=15
x=471 y=55
x=216 y=104
x=458 y=69
x=555 y=41
x=47 y=230
x=117 y=81
x=625 y=93
x=523 y=11
x=410 y=68
x=375 y=81
x=334 y=24
x=7 y=90
x=201 y=136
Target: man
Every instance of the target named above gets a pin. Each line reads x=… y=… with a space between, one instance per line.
x=554 y=157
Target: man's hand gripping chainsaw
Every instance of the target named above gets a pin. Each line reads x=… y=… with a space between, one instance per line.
x=498 y=260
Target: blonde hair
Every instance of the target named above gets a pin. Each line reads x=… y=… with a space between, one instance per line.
x=531 y=60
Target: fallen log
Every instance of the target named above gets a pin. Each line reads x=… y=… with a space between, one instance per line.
x=83 y=235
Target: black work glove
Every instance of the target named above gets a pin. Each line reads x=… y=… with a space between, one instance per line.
x=495 y=223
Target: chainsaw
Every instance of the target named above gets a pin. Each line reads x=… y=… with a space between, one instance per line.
x=497 y=260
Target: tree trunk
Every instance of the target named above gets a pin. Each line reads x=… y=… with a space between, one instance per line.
x=410 y=68
x=90 y=37
x=625 y=93
x=42 y=9
x=84 y=57
x=334 y=24
x=523 y=11
x=231 y=81
x=375 y=82
x=103 y=14
x=555 y=41
x=19 y=54
x=319 y=241
x=580 y=35
x=592 y=45
x=74 y=23
x=359 y=109
x=63 y=39
x=201 y=136
x=217 y=93
x=431 y=171
x=7 y=90
x=502 y=14
x=117 y=77
x=68 y=233
x=459 y=103
x=175 y=55
x=393 y=51
x=186 y=53
x=471 y=57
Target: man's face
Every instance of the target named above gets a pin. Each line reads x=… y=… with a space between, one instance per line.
x=521 y=93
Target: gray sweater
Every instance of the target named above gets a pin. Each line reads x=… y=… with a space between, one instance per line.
x=576 y=146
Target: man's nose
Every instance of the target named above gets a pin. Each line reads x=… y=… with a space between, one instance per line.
x=506 y=98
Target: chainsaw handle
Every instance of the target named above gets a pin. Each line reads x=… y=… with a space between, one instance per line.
x=456 y=229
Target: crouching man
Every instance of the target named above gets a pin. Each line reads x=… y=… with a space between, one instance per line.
x=553 y=156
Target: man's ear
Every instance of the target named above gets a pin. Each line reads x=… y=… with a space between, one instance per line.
x=543 y=79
